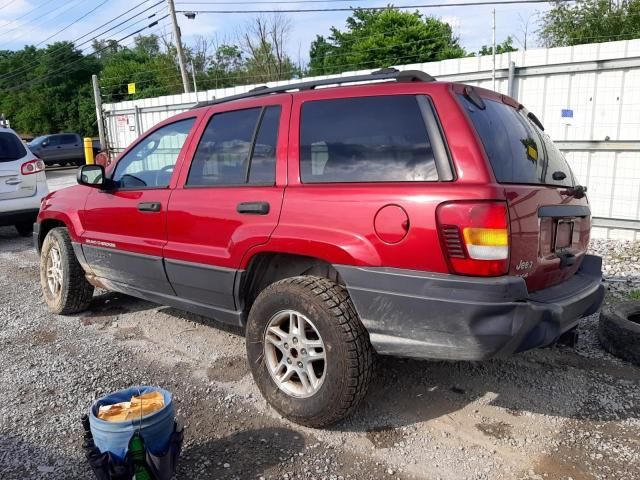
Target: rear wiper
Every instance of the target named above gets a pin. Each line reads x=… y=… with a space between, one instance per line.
x=579 y=191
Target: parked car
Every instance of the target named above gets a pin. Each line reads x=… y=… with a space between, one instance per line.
x=22 y=183
x=411 y=217
x=61 y=148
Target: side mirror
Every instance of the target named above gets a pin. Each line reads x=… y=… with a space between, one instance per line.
x=93 y=176
x=44 y=144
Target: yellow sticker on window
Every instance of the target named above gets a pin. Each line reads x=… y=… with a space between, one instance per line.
x=532 y=152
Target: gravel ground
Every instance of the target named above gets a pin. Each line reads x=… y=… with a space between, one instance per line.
x=555 y=413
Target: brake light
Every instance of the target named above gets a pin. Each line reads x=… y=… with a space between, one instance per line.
x=32 y=166
x=475 y=237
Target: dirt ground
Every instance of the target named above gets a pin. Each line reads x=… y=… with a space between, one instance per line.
x=557 y=413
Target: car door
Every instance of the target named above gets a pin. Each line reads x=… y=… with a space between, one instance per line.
x=125 y=228
x=70 y=148
x=228 y=199
x=51 y=149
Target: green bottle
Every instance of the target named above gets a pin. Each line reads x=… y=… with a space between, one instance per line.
x=137 y=452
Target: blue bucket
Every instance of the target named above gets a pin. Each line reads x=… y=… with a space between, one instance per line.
x=155 y=428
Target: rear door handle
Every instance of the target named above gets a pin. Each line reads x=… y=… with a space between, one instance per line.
x=253 y=208
x=13 y=181
x=149 y=206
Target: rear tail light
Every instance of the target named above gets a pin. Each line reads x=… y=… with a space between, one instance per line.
x=32 y=166
x=475 y=237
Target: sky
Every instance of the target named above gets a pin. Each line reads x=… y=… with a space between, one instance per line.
x=33 y=22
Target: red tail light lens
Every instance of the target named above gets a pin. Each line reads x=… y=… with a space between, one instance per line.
x=32 y=166
x=475 y=237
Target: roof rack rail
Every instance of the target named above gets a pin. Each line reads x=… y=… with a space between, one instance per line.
x=382 y=74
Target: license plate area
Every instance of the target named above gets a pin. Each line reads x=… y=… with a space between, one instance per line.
x=563 y=237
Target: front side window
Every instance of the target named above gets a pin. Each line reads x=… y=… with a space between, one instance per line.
x=237 y=148
x=365 y=139
x=151 y=162
x=53 y=141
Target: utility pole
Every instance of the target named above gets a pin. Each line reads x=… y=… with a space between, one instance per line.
x=493 y=50
x=176 y=33
x=98 y=99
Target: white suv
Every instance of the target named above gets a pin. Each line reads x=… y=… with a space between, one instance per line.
x=22 y=183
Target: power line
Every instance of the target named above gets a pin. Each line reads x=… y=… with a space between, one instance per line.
x=23 y=15
x=264 y=1
x=73 y=23
x=66 y=67
x=24 y=68
x=399 y=7
x=64 y=7
x=7 y=4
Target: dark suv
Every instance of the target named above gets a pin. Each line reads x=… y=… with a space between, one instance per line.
x=405 y=217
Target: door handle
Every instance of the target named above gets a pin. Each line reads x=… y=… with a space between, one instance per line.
x=253 y=208
x=149 y=206
x=13 y=181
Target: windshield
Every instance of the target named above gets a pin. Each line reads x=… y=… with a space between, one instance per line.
x=519 y=152
x=37 y=140
x=11 y=147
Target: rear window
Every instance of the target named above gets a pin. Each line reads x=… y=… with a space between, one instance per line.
x=518 y=151
x=11 y=147
x=365 y=139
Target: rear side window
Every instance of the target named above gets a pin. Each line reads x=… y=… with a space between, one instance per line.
x=11 y=147
x=68 y=139
x=366 y=139
x=517 y=150
x=236 y=148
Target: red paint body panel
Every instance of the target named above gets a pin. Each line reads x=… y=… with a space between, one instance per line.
x=332 y=222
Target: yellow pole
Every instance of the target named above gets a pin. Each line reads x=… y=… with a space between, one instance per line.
x=88 y=151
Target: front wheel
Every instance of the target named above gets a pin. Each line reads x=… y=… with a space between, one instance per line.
x=308 y=351
x=62 y=279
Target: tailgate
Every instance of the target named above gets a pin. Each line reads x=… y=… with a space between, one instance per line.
x=549 y=234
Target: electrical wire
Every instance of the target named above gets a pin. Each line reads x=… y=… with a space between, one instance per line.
x=399 y=7
x=23 y=15
x=25 y=68
x=73 y=23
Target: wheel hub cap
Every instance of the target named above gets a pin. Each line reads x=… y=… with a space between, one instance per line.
x=54 y=271
x=294 y=353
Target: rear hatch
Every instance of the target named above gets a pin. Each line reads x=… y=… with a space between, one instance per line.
x=13 y=154
x=549 y=218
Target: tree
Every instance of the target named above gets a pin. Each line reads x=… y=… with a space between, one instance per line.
x=263 y=44
x=589 y=21
x=381 y=38
x=504 y=47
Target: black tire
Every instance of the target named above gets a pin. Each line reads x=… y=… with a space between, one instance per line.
x=25 y=229
x=619 y=330
x=349 y=355
x=75 y=293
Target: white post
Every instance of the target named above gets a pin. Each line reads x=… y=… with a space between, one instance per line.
x=98 y=99
x=193 y=75
x=493 y=50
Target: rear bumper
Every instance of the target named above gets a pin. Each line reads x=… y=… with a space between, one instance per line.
x=439 y=316
x=18 y=216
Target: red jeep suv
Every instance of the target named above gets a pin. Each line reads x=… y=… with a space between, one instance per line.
x=404 y=216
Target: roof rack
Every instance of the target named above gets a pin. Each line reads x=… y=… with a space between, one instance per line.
x=383 y=74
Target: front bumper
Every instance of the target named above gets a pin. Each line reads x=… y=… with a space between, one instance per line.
x=440 y=316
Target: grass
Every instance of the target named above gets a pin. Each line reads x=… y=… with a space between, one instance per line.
x=634 y=295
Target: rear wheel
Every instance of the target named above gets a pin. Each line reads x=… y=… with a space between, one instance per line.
x=309 y=353
x=62 y=279
x=24 y=228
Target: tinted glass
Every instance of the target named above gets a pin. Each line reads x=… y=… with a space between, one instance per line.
x=11 y=147
x=368 y=139
x=53 y=140
x=263 y=161
x=68 y=139
x=150 y=163
x=222 y=157
x=514 y=145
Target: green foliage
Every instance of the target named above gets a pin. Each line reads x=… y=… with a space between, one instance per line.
x=382 y=38
x=504 y=47
x=589 y=21
x=634 y=295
